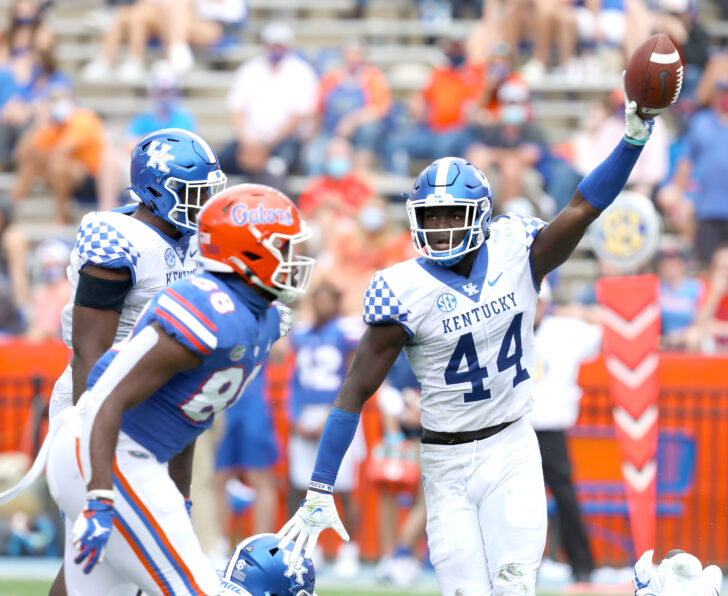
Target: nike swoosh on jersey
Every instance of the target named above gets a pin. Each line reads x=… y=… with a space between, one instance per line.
x=495 y=281
x=193 y=253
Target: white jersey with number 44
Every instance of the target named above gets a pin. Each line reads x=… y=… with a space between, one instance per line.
x=470 y=339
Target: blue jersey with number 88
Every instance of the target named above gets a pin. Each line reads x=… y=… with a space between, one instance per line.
x=230 y=327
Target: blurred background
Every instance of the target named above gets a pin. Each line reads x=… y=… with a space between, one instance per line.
x=340 y=103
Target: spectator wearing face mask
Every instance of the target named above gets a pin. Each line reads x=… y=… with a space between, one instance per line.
x=705 y=161
x=272 y=101
x=63 y=150
x=513 y=152
x=374 y=242
x=353 y=102
x=345 y=189
x=165 y=111
x=498 y=72
x=439 y=113
x=330 y=202
x=52 y=290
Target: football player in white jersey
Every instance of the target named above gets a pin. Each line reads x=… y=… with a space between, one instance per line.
x=464 y=314
x=122 y=258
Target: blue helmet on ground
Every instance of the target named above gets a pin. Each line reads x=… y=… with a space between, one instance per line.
x=259 y=566
x=173 y=172
x=450 y=182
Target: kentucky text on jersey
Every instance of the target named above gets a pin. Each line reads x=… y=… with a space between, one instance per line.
x=482 y=311
x=173 y=276
x=242 y=216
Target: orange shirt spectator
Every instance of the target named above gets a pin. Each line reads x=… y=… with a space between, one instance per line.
x=82 y=134
x=448 y=94
x=346 y=194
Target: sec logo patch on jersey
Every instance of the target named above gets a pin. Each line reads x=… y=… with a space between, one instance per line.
x=446 y=302
x=170 y=258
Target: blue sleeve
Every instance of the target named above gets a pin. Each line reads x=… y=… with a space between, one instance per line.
x=337 y=435
x=99 y=243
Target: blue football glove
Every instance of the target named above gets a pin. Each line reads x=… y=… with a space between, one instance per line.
x=188 y=506
x=91 y=532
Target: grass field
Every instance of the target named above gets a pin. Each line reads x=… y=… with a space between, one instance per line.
x=40 y=588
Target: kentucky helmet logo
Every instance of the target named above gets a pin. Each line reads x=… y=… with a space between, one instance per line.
x=159 y=156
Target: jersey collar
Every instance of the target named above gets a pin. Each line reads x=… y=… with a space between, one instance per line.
x=256 y=303
x=472 y=286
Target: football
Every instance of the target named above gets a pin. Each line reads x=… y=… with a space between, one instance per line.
x=654 y=76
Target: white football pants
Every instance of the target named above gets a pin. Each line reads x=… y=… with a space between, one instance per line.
x=152 y=545
x=486 y=513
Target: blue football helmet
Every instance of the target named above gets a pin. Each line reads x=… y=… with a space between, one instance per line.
x=173 y=172
x=450 y=182
x=259 y=566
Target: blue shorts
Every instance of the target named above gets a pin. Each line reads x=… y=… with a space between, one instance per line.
x=249 y=440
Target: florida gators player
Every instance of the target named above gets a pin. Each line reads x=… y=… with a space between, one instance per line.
x=124 y=257
x=463 y=312
x=190 y=355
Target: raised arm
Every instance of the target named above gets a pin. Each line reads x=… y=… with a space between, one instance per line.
x=555 y=243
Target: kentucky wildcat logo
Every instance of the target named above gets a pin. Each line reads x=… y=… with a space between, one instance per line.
x=242 y=215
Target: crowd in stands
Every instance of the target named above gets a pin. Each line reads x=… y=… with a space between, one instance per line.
x=332 y=117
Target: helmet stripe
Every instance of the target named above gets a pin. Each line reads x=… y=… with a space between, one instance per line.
x=208 y=150
x=443 y=167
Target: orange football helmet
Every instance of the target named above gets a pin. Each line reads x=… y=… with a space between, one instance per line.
x=254 y=231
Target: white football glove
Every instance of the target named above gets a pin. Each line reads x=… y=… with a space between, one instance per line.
x=316 y=513
x=637 y=130
x=681 y=574
x=286 y=318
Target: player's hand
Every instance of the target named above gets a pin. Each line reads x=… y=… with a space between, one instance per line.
x=286 y=318
x=679 y=573
x=637 y=130
x=644 y=580
x=316 y=513
x=91 y=532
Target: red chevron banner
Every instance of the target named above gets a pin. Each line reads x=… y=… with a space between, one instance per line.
x=631 y=343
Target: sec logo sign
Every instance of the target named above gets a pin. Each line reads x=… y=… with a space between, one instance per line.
x=627 y=233
x=446 y=302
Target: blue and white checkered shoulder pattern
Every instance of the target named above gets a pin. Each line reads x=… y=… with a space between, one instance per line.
x=98 y=243
x=380 y=303
x=531 y=225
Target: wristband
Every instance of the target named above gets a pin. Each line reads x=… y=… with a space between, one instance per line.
x=320 y=487
x=100 y=493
